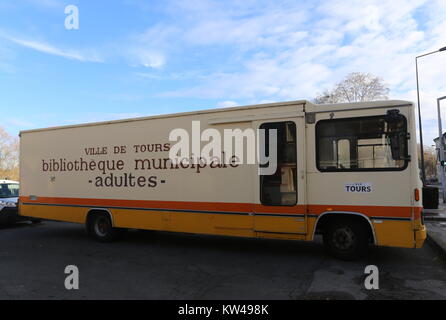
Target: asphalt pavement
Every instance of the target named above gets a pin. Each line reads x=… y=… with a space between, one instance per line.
x=161 y=265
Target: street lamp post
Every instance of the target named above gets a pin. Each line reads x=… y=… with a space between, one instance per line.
x=442 y=158
x=423 y=171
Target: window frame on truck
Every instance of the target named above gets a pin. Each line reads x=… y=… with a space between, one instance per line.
x=295 y=180
x=338 y=138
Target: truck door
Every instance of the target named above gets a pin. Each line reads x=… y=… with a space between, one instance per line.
x=280 y=205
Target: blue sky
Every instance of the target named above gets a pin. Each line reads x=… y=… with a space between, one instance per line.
x=133 y=57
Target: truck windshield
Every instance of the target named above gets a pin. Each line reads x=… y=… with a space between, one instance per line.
x=9 y=190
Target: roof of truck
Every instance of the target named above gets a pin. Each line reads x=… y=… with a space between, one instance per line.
x=308 y=107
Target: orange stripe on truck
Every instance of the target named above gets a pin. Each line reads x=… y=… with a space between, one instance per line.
x=312 y=209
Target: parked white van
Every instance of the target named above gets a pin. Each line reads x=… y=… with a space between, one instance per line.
x=9 y=197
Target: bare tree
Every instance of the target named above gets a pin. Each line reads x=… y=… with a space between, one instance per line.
x=9 y=156
x=430 y=161
x=356 y=87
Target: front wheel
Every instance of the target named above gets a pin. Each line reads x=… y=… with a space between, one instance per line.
x=346 y=239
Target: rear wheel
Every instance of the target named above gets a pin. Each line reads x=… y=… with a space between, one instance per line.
x=99 y=226
x=346 y=239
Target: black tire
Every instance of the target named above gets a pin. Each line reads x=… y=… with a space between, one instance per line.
x=36 y=221
x=346 y=239
x=100 y=228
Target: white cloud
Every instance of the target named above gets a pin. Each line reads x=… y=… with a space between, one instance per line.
x=49 y=49
x=289 y=50
x=147 y=49
x=227 y=104
x=148 y=58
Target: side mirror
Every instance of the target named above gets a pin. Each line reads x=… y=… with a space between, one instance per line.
x=396 y=135
x=398 y=146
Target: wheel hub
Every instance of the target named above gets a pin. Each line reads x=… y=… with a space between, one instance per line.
x=343 y=238
x=101 y=227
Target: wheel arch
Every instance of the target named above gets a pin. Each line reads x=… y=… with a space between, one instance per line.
x=323 y=217
x=93 y=211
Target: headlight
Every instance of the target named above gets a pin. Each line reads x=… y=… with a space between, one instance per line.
x=7 y=204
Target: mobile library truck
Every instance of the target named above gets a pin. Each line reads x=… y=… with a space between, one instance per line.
x=286 y=170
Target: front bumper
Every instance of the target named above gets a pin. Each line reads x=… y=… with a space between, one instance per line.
x=420 y=236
